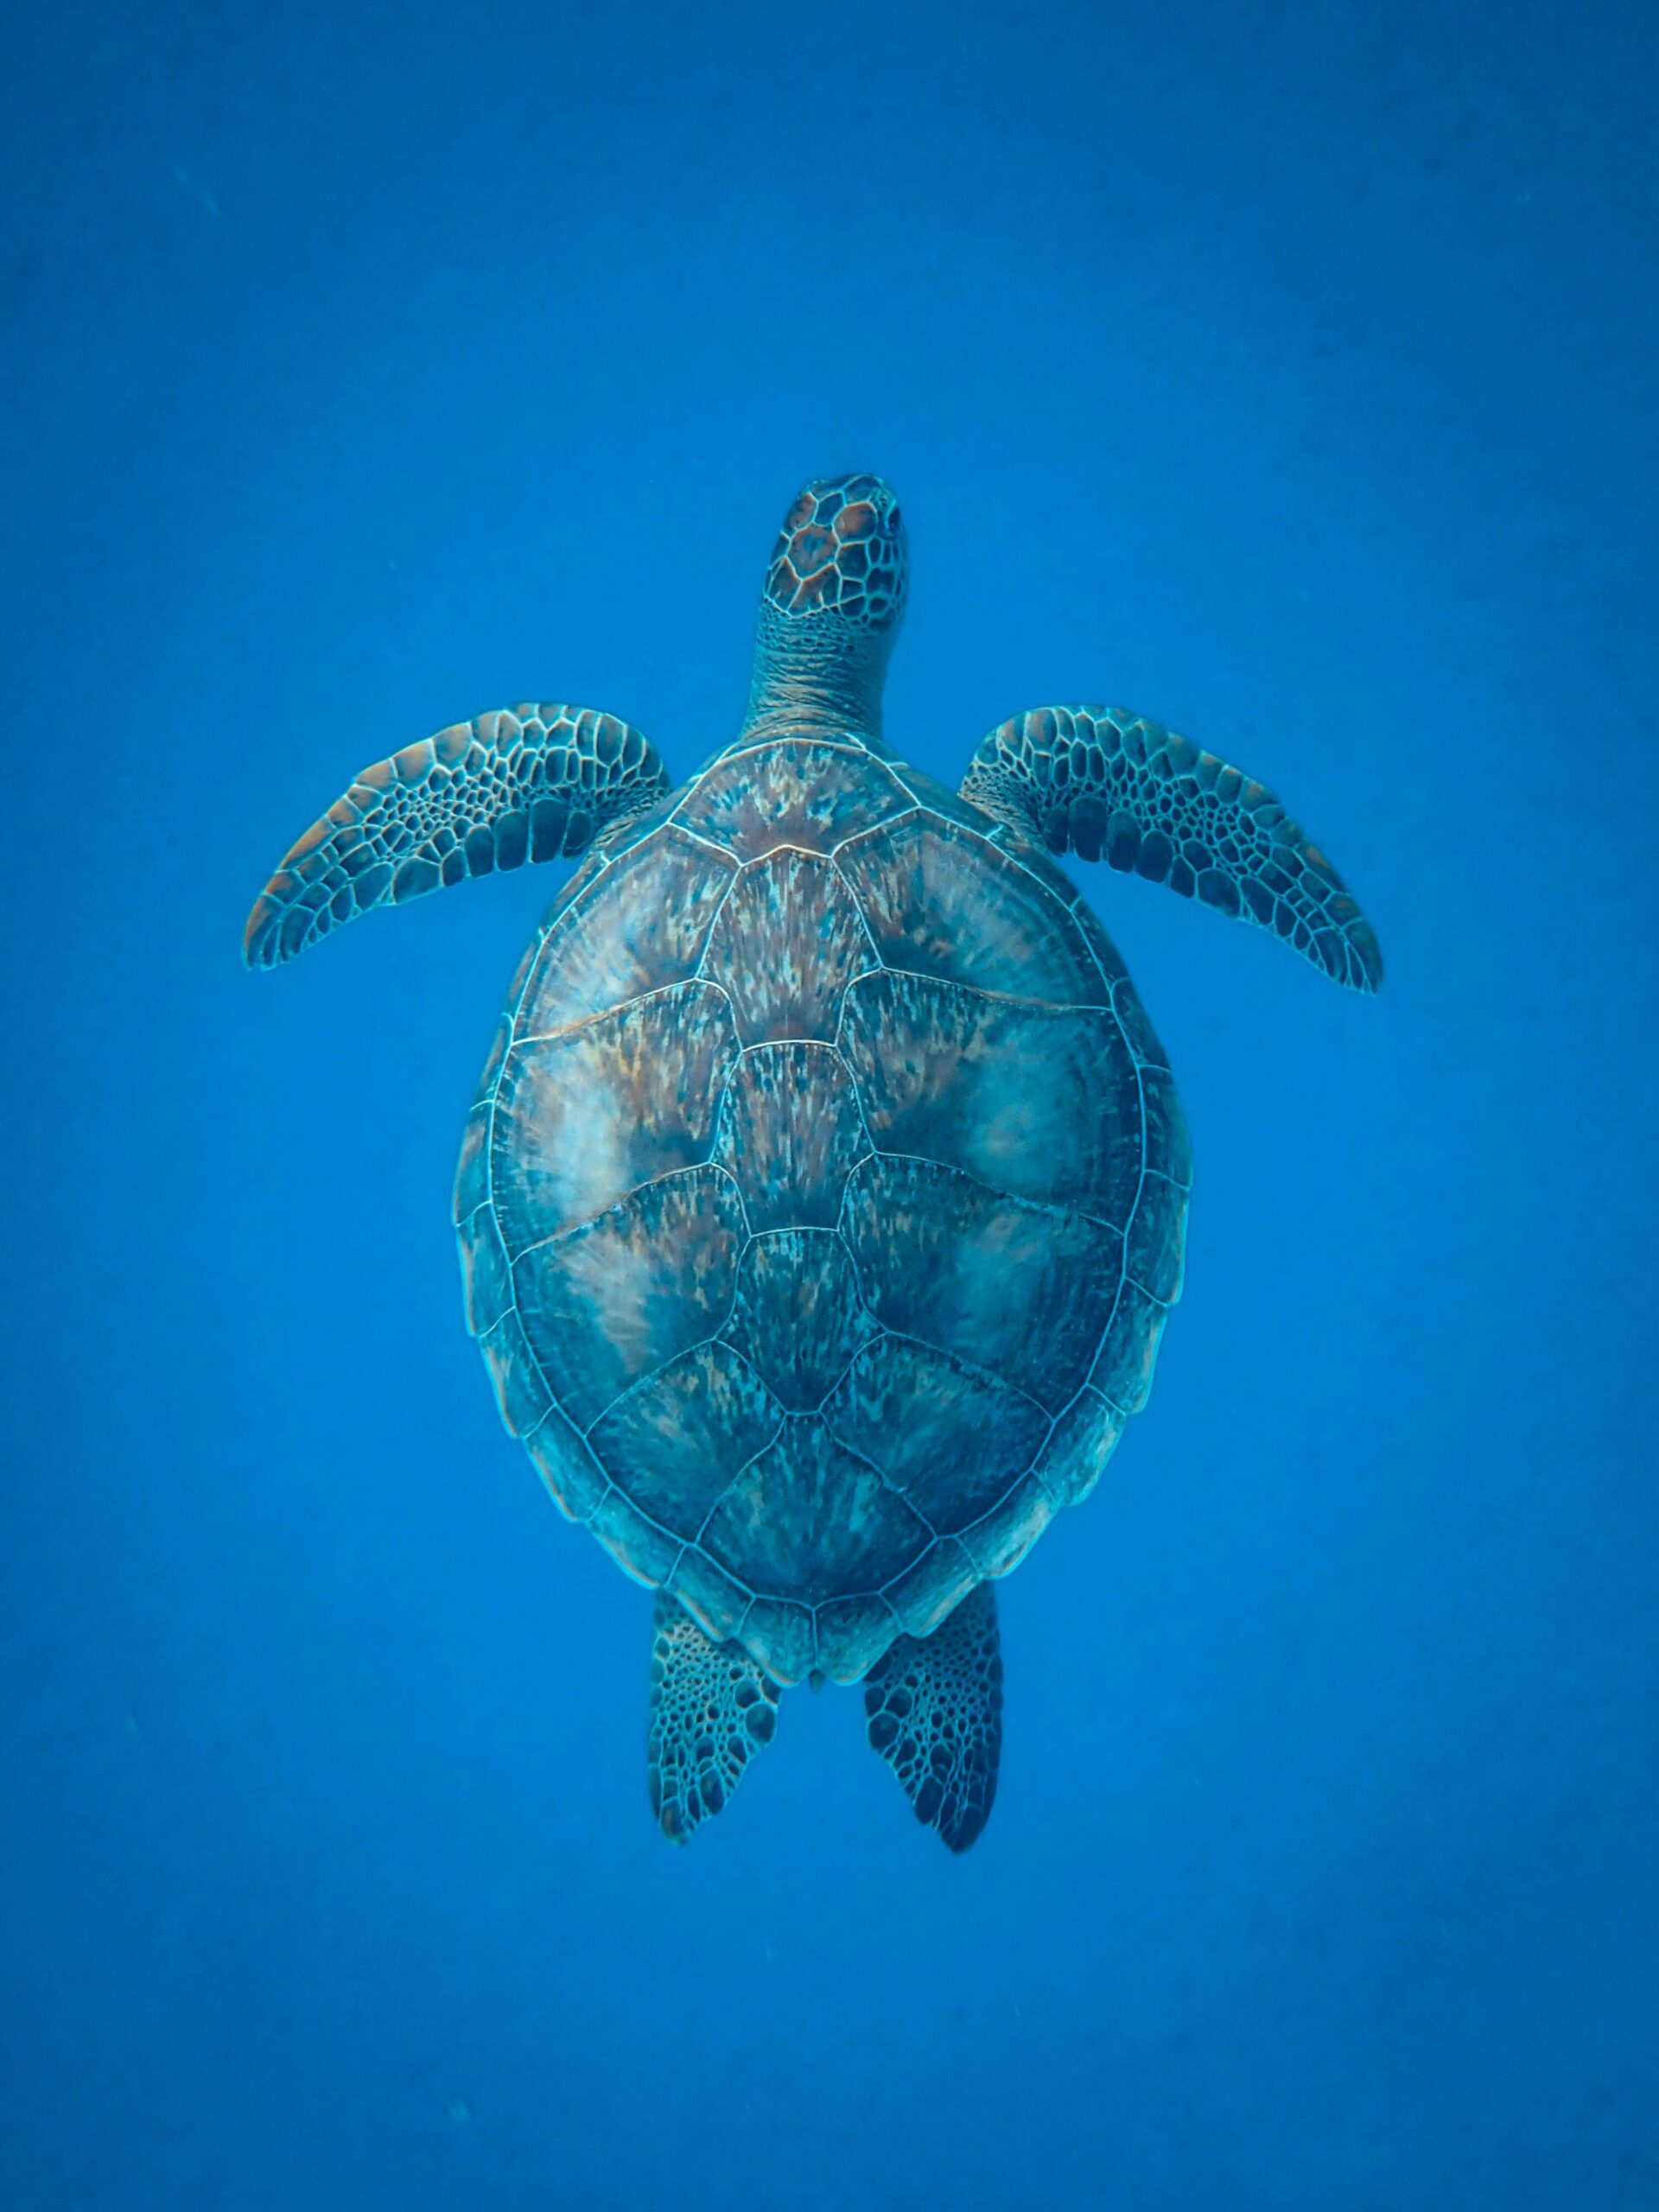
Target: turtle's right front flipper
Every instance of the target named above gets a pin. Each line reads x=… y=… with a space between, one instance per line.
x=1113 y=786
x=531 y=785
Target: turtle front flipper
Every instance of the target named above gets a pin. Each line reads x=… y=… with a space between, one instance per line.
x=934 y=1710
x=1111 y=786
x=712 y=1707
x=528 y=785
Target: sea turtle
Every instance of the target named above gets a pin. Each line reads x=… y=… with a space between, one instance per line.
x=824 y=1195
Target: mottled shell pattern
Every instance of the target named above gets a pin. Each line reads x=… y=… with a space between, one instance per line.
x=824 y=1193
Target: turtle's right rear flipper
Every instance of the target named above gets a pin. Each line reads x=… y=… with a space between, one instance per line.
x=711 y=1709
x=534 y=785
x=934 y=1708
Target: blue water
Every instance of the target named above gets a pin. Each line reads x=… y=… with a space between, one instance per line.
x=1286 y=373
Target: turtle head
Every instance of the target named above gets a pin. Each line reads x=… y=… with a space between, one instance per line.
x=834 y=598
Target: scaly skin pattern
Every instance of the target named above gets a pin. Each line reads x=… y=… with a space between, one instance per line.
x=841 y=551
x=711 y=1710
x=1108 y=785
x=529 y=785
x=933 y=1708
x=831 y=609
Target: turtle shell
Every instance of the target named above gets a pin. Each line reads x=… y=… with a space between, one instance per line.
x=823 y=1200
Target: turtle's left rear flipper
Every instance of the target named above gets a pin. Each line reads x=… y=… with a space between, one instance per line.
x=934 y=1709
x=1112 y=786
x=528 y=785
x=711 y=1709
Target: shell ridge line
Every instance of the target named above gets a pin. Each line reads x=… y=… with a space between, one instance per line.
x=700 y=973
x=760 y=1453
x=618 y=1205
x=716 y=1341
x=977 y=1368
x=996 y=997
x=623 y=1006
x=890 y=1488
x=1050 y=1207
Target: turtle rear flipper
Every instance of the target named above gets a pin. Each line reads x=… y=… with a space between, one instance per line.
x=533 y=784
x=712 y=1707
x=1110 y=786
x=934 y=1708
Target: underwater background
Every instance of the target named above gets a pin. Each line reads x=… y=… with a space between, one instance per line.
x=1287 y=373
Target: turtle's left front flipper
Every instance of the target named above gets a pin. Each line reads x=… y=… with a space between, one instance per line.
x=1111 y=786
x=933 y=1708
x=529 y=785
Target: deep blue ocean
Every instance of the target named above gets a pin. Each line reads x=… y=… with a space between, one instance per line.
x=1285 y=372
